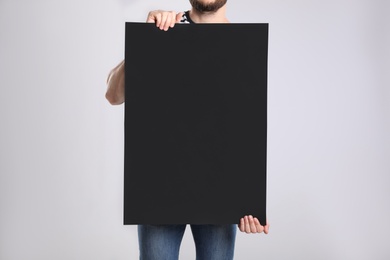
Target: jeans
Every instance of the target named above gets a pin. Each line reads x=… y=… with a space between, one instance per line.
x=162 y=242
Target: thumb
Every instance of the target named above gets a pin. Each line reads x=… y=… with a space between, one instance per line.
x=179 y=16
x=151 y=18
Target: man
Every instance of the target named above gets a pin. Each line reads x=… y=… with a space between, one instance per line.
x=213 y=242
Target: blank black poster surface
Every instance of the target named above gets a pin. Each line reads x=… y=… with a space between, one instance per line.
x=195 y=123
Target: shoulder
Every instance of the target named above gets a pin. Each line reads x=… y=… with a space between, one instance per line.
x=186 y=18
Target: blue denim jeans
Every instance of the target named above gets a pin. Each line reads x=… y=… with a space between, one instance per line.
x=162 y=242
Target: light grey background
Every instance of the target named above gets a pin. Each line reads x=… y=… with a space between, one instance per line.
x=61 y=143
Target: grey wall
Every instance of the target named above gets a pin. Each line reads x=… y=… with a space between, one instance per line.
x=61 y=143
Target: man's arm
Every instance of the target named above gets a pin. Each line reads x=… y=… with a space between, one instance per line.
x=116 y=85
x=116 y=78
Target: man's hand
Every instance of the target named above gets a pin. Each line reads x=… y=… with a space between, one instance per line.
x=164 y=19
x=249 y=224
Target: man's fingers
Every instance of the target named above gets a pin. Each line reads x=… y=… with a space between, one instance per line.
x=167 y=22
x=154 y=17
x=252 y=225
x=161 y=23
x=164 y=19
x=266 y=228
x=151 y=18
x=174 y=19
x=241 y=226
x=259 y=227
x=247 y=225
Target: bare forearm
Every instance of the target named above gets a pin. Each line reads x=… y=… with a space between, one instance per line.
x=116 y=85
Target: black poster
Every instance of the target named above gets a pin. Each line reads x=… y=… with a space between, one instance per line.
x=195 y=123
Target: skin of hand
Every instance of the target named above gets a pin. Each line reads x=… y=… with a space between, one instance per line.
x=164 y=19
x=250 y=225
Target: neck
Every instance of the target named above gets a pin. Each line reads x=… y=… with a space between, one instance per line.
x=209 y=17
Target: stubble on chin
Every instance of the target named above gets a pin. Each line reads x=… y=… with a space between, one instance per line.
x=205 y=6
